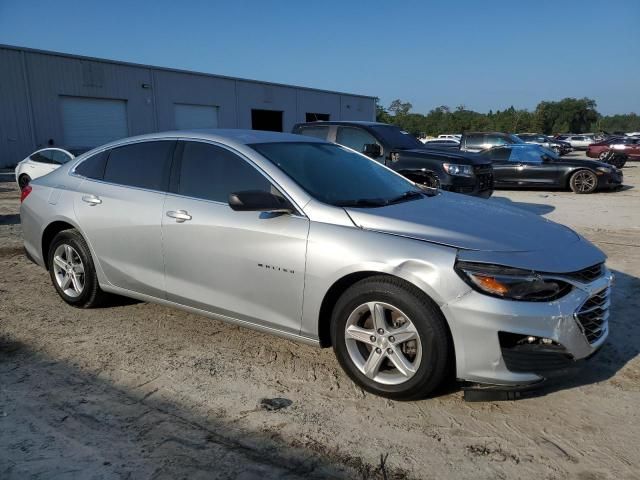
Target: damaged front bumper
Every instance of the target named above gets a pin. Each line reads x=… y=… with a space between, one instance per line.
x=511 y=343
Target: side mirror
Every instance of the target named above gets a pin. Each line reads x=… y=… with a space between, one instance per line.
x=372 y=150
x=258 y=201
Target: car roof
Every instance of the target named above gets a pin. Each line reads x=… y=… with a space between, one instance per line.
x=486 y=133
x=230 y=136
x=343 y=122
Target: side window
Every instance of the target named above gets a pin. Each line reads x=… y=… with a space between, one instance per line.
x=212 y=173
x=60 y=157
x=93 y=167
x=474 y=141
x=355 y=138
x=317 y=132
x=45 y=156
x=499 y=154
x=143 y=165
x=496 y=140
x=525 y=155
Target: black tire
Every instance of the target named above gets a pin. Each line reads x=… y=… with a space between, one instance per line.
x=23 y=181
x=437 y=351
x=91 y=295
x=583 y=182
x=619 y=161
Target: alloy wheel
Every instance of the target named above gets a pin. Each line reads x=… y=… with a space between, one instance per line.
x=68 y=270
x=383 y=343
x=584 y=181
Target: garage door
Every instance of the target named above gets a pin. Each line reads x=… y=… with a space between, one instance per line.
x=90 y=122
x=188 y=117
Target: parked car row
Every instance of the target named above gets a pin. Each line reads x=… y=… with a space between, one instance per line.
x=559 y=146
x=480 y=162
x=308 y=239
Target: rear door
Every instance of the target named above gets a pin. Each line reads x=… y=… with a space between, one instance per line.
x=244 y=265
x=42 y=162
x=119 y=207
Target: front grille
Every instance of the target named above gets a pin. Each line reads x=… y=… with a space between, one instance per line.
x=593 y=315
x=588 y=274
x=485 y=180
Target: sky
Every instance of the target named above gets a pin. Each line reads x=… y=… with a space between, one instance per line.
x=480 y=54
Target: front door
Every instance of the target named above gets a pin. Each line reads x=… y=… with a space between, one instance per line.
x=534 y=167
x=245 y=265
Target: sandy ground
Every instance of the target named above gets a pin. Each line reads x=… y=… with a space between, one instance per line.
x=142 y=391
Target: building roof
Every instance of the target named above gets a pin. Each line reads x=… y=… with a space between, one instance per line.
x=176 y=70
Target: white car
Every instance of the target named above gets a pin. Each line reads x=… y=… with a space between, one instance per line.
x=578 y=142
x=454 y=136
x=44 y=161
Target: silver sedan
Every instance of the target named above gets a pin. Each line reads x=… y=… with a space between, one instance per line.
x=315 y=242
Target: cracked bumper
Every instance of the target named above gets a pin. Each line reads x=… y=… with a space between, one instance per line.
x=476 y=321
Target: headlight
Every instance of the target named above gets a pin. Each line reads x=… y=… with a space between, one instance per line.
x=605 y=169
x=458 y=170
x=511 y=283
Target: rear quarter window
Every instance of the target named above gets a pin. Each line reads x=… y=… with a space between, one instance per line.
x=474 y=140
x=93 y=167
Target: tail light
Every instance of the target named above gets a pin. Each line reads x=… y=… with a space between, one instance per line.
x=25 y=192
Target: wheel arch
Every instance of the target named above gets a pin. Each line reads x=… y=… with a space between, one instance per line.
x=49 y=233
x=343 y=283
x=573 y=171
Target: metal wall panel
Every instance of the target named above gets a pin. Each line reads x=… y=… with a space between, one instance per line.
x=32 y=83
x=252 y=95
x=186 y=88
x=52 y=76
x=15 y=131
x=318 y=102
x=353 y=107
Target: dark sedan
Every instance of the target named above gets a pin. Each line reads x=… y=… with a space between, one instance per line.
x=532 y=166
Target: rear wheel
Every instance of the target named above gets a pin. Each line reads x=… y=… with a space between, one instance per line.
x=23 y=181
x=583 y=181
x=390 y=338
x=72 y=270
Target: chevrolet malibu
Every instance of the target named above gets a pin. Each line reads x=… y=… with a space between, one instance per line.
x=317 y=243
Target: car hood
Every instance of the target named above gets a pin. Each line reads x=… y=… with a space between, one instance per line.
x=486 y=230
x=569 y=162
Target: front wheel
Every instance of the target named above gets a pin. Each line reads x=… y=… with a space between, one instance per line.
x=390 y=338
x=583 y=181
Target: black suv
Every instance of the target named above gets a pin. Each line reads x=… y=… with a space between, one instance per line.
x=451 y=170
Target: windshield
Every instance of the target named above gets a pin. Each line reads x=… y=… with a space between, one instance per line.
x=396 y=138
x=338 y=176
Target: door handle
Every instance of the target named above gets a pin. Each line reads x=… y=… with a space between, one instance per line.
x=179 y=215
x=91 y=200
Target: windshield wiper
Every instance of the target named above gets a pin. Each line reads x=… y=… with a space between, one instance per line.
x=362 y=202
x=409 y=195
